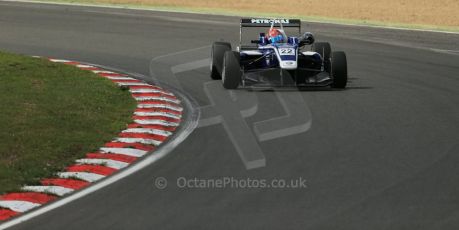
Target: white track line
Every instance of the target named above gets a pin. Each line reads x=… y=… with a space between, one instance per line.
x=18 y=206
x=148 y=131
x=56 y=190
x=89 y=177
x=139 y=140
x=125 y=151
x=105 y=162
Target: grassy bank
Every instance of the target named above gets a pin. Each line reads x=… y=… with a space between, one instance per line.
x=422 y=14
x=52 y=114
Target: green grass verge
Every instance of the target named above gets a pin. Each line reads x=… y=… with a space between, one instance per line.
x=242 y=13
x=52 y=114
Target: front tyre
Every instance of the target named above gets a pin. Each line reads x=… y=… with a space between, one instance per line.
x=338 y=70
x=231 y=73
x=323 y=48
x=216 y=59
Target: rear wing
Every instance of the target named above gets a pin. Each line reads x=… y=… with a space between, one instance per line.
x=257 y=22
x=263 y=22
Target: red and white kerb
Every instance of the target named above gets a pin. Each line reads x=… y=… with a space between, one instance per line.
x=157 y=116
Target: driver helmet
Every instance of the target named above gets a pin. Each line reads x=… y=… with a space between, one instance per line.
x=274 y=35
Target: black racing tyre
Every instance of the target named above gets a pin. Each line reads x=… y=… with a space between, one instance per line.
x=231 y=73
x=216 y=59
x=338 y=70
x=323 y=48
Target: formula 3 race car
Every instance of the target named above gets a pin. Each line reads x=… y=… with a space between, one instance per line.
x=276 y=52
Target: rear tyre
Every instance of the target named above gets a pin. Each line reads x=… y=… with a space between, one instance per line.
x=338 y=70
x=216 y=59
x=231 y=73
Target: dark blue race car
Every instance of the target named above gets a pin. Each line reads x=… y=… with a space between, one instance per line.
x=253 y=65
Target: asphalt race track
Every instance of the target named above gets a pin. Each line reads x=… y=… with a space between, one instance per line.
x=382 y=154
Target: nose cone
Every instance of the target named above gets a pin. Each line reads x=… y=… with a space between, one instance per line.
x=288 y=65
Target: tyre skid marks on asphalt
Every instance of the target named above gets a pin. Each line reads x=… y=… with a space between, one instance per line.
x=157 y=116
